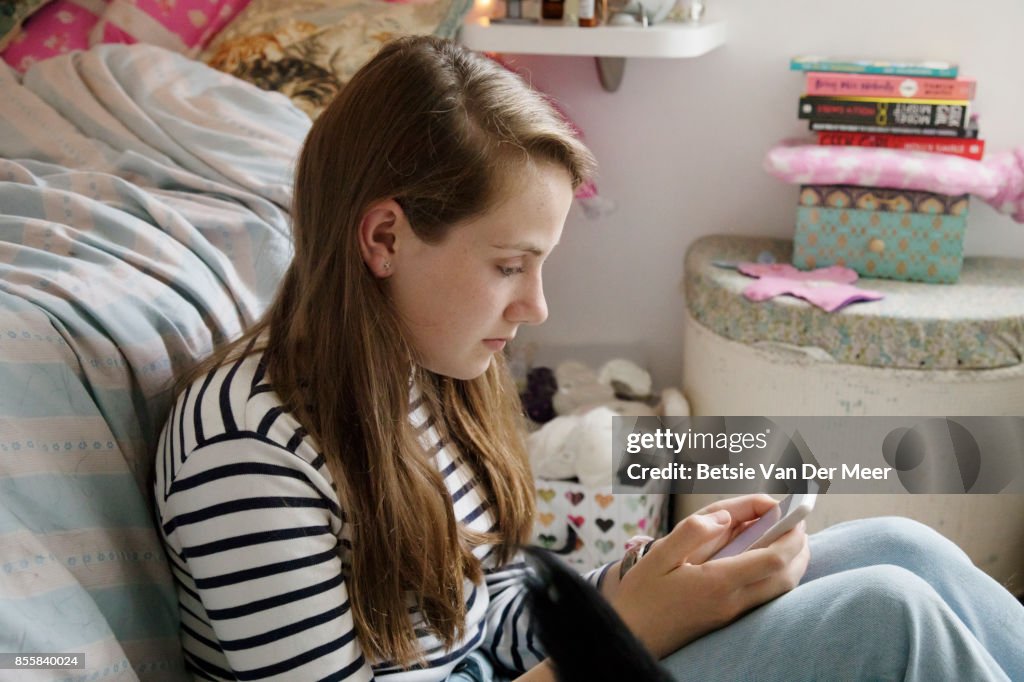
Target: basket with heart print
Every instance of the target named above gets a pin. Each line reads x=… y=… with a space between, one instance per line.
x=589 y=527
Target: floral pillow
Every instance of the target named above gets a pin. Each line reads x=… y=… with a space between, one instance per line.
x=309 y=50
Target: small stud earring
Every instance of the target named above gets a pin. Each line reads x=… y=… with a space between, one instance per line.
x=387 y=265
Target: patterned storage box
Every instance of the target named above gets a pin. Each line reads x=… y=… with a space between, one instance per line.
x=895 y=234
x=589 y=527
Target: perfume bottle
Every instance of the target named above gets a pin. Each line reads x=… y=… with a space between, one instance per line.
x=588 y=13
x=552 y=9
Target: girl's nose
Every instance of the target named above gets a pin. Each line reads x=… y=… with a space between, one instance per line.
x=529 y=307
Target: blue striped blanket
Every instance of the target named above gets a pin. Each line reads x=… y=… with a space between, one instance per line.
x=143 y=218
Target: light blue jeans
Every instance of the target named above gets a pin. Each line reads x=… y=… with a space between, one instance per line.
x=882 y=599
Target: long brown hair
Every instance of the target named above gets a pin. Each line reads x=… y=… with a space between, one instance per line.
x=442 y=131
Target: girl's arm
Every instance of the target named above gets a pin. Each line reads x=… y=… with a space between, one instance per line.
x=251 y=530
x=610 y=582
x=510 y=640
x=539 y=673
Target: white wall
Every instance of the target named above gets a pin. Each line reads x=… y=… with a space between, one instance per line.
x=681 y=143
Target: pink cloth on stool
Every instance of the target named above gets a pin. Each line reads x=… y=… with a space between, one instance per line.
x=998 y=180
x=828 y=288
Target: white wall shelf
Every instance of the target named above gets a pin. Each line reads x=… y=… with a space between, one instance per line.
x=667 y=39
x=610 y=44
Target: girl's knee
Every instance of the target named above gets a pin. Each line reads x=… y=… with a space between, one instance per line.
x=906 y=541
x=879 y=616
x=901 y=530
x=885 y=589
x=893 y=606
x=910 y=629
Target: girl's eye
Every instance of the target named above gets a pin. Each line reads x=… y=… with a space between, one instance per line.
x=509 y=270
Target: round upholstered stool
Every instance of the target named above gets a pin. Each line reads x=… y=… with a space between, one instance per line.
x=924 y=350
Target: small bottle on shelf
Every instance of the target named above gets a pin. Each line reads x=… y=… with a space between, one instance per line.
x=552 y=9
x=572 y=11
x=588 y=13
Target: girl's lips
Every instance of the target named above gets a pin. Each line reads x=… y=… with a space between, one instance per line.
x=495 y=344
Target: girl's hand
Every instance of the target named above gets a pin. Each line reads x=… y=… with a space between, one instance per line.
x=674 y=595
x=745 y=510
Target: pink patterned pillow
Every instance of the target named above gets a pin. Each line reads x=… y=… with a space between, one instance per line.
x=66 y=25
x=874 y=167
x=998 y=179
x=61 y=26
x=179 y=25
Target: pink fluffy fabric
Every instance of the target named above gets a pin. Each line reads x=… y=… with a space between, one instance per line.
x=998 y=180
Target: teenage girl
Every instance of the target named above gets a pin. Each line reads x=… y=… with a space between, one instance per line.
x=342 y=491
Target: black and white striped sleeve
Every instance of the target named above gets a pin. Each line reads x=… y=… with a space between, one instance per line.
x=510 y=640
x=257 y=528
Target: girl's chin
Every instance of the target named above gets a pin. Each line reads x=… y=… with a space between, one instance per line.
x=464 y=371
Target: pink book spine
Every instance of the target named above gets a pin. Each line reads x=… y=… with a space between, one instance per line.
x=868 y=85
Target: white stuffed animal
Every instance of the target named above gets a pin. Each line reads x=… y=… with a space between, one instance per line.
x=580 y=445
x=577 y=446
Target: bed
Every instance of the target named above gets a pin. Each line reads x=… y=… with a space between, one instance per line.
x=144 y=202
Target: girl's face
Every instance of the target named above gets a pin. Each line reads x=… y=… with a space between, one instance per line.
x=462 y=300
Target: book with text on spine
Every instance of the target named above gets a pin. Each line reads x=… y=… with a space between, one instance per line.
x=966 y=133
x=967 y=148
x=885 y=112
x=867 y=85
x=933 y=69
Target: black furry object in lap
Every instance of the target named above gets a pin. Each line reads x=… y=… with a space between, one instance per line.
x=584 y=637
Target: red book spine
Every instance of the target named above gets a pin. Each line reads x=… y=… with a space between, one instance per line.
x=967 y=148
x=868 y=85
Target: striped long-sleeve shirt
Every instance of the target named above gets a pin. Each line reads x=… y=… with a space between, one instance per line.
x=259 y=546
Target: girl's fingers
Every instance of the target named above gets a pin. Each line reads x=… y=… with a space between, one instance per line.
x=743 y=508
x=740 y=528
x=756 y=565
x=775 y=585
x=691 y=538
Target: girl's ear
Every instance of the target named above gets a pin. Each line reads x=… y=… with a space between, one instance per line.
x=379 y=230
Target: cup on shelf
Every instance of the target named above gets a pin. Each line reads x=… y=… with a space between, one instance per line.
x=649 y=11
x=692 y=11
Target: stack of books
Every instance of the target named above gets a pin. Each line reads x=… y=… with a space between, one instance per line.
x=919 y=106
x=878 y=231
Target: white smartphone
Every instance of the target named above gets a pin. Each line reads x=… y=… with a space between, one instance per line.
x=773 y=525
